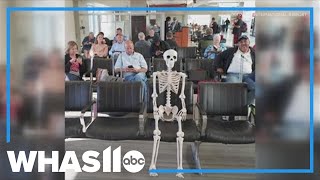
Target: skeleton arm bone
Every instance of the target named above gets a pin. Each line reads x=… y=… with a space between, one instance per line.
x=183 y=111
x=154 y=94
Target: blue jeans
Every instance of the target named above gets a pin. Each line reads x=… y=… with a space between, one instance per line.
x=73 y=77
x=247 y=78
x=141 y=77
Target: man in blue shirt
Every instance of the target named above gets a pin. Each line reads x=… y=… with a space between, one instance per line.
x=119 y=31
x=133 y=66
x=118 y=47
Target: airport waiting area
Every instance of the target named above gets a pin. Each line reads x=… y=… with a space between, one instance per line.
x=157 y=90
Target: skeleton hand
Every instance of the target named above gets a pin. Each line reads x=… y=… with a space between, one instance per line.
x=183 y=113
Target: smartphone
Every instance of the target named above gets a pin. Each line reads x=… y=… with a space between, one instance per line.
x=130 y=66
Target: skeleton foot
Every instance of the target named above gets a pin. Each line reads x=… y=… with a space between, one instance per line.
x=152 y=167
x=179 y=175
x=153 y=174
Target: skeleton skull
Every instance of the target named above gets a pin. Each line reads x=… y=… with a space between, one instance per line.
x=170 y=56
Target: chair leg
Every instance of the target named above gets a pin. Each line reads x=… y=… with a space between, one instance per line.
x=195 y=154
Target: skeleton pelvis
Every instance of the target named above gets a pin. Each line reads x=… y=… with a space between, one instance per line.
x=168 y=113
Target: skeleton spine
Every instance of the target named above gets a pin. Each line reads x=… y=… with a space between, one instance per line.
x=168 y=89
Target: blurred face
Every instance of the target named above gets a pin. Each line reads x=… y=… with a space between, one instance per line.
x=216 y=40
x=91 y=36
x=100 y=38
x=119 y=31
x=244 y=45
x=119 y=38
x=151 y=33
x=129 y=48
x=73 y=50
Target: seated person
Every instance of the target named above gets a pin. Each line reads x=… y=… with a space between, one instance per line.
x=238 y=64
x=217 y=47
x=118 y=47
x=99 y=48
x=172 y=43
x=87 y=43
x=133 y=66
x=208 y=35
x=74 y=67
x=119 y=31
x=142 y=43
x=158 y=47
x=151 y=36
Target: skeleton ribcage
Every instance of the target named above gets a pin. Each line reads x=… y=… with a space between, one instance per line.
x=165 y=78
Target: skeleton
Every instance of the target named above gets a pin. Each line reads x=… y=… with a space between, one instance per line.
x=168 y=81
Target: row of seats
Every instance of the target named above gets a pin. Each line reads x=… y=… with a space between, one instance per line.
x=196 y=69
x=184 y=52
x=128 y=115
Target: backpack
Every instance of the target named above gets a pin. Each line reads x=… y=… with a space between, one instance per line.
x=244 y=27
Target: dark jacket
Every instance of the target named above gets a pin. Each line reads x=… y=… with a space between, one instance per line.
x=172 y=43
x=162 y=47
x=237 y=31
x=224 y=59
x=67 y=64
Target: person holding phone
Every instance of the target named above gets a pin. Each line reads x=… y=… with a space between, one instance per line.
x=158 y=47
x=74 y=67
x=132 y=65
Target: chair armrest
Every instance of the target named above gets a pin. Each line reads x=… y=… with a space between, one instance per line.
x=204 y=119
x=83 y=111
x=252 y=114
x=202 y=112
x=87 y=107
x=88 y=72
x=142 y=117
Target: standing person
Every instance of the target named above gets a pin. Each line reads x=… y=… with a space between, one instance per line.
x=167 y=26
x=214 y=26
x=227 y=22
x=237 y=29
x=175 y=25
x=87 y=43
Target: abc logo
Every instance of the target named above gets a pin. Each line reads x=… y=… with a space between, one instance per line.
x=133 y=161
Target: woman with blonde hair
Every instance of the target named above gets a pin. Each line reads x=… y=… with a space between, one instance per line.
x=99 y=48
x=74 y=66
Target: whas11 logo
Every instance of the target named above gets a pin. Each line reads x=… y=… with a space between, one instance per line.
x=133 y=161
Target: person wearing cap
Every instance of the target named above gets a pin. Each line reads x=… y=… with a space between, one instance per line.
x=237 y=29
x=236 y=62
x=87 y=43
x=158 y=47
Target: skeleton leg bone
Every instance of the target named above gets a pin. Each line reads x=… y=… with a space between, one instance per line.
x=156 y=142
x=180 y=135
